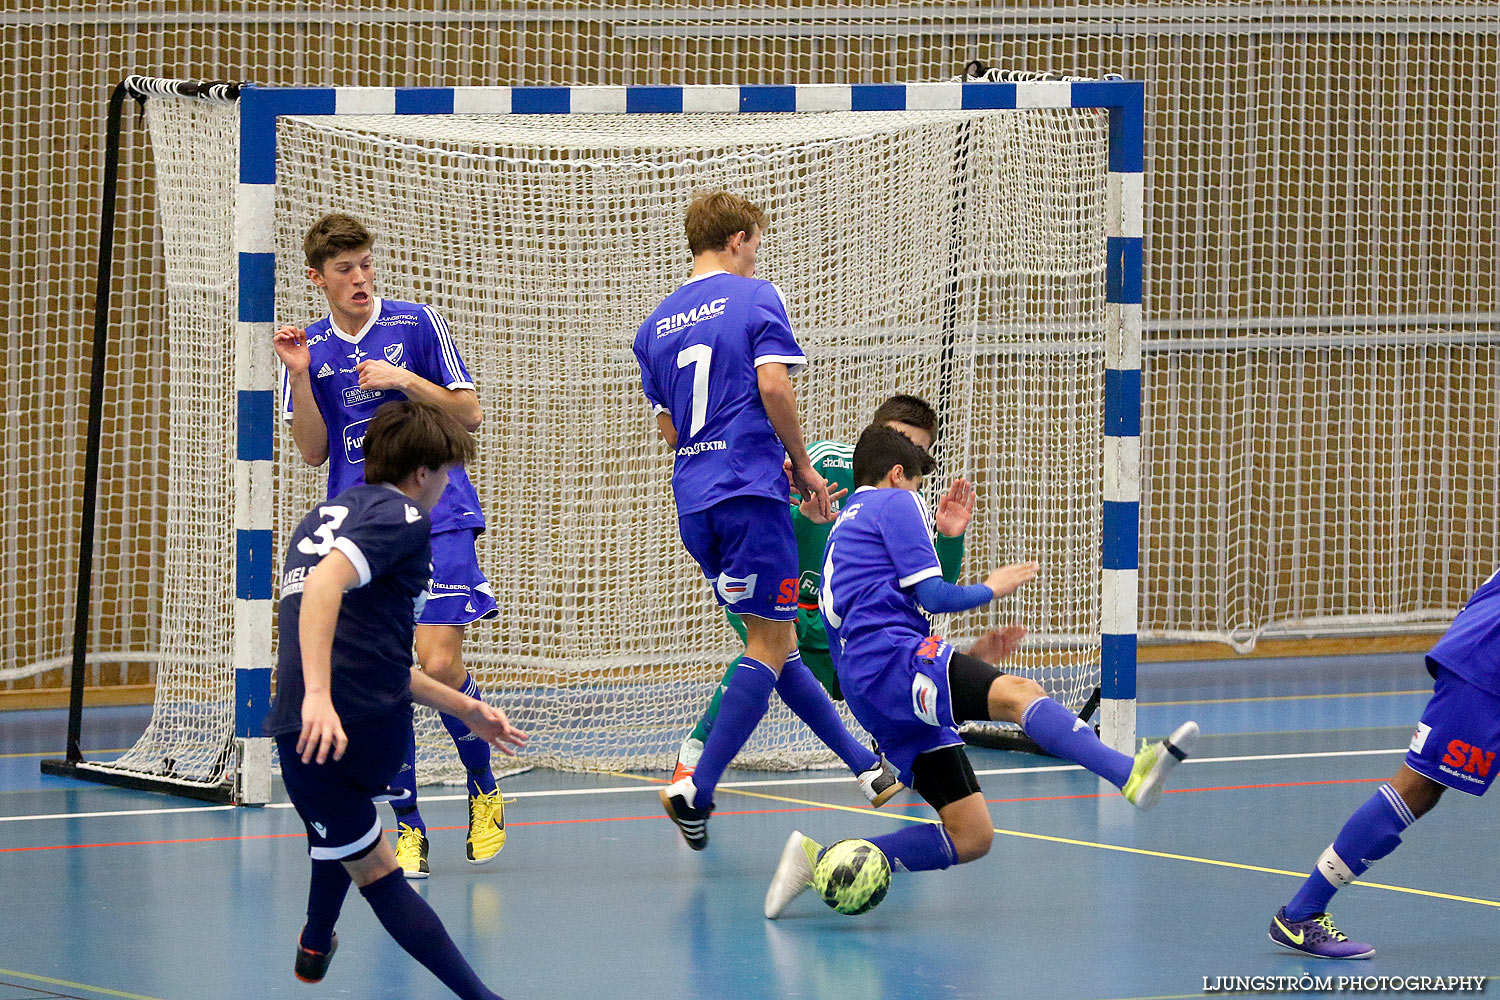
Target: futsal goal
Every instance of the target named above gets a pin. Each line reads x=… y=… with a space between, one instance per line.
x=974 y=243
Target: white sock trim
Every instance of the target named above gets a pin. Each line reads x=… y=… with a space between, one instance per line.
x=1333 y=868
x=1395 y=801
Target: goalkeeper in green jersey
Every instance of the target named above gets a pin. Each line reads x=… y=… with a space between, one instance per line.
x=834 y=461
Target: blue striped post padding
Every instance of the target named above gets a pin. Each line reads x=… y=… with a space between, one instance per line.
x=252 y=699
x=252 y=576
x=257 y=435
x=1122 y=270
x=424 y=101
x=1121 y=534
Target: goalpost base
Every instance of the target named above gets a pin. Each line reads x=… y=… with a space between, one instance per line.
x=85 y=771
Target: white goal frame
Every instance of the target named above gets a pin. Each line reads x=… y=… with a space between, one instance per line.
x=255 y=362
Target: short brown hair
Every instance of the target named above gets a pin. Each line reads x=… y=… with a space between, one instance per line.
x=913 y=411
x=333 y=234
x=880 y=449
x=715 y=216
x=406 y=435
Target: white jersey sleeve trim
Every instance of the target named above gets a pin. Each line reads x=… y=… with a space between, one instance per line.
x=461 y=385
x=286 y=393
x=361 y=564
x=794 y=363
x=915 y=578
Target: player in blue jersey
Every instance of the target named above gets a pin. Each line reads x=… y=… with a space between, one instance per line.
x=356 y=568
x=1455 y=746
x=335 y=374
x=716 y=359
x=912 y=691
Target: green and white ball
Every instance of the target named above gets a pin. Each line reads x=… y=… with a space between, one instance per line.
x=852 y=876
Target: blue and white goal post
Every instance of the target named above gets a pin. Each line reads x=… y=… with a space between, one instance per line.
x=255 y=363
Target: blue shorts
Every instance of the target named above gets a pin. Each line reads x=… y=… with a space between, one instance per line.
x=336 y=799
x=748 y=553
x=459 y=594
x=903 y=700
x=1458 y=740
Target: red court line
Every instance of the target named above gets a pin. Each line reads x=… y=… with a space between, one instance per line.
x=657 y=816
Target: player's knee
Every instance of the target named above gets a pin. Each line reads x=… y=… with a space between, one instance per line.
x=971 y=841
x=445 y=668
x=1419 y=792
x=1011 y=695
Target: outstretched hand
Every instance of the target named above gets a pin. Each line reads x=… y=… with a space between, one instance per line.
x=813 y=490
x=809 y=507
x=955 y=509
x=290 y=344
x=1008 y=579
x=998 y=644
x=491 y=725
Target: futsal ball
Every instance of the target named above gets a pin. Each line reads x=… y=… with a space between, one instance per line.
x=852 y=876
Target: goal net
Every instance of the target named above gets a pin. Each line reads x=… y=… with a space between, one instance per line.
x=956 y=255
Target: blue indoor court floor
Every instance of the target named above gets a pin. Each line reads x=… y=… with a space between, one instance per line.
x=115 y=893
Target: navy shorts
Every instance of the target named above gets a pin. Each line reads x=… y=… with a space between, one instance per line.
x=459 y=594
x=336 y=799
x=748 y=554
x=903 y=700
x=1458 y=740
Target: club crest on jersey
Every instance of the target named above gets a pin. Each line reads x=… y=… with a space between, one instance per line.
x=733 y=589
x=393 y=353
x=924 y=698
x=683 y=320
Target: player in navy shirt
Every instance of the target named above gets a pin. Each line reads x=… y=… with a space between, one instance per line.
x=356 y=569
x=912 y=691
x=1455 y=746
x=716 y=359
x=334 y=376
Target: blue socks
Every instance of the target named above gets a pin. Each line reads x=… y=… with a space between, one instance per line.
x=416 y=928
x=406 y=778
x=923 y=848
x=473 y=751
x=325 y=898
x=1370 y=834
x=740 y=711
x=806 y=697
x=1063 y=734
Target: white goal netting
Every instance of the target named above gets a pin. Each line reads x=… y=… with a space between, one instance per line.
x=955 y=255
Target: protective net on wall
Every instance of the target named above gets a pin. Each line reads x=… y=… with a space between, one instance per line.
x=1321 y=268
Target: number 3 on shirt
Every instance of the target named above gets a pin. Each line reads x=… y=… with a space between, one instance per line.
x=699 y=356
x=321 y=542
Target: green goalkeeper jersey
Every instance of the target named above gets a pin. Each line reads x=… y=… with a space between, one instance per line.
x=834 y=461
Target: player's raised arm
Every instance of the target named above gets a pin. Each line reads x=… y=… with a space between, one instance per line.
x=297 y=400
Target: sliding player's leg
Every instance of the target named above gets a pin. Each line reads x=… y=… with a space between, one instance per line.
x=809 y=701
x=1455 y=746
x=980 y=691
x=460 y=595
x=944 y=777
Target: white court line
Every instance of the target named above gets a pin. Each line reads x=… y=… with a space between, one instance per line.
x=626 y=789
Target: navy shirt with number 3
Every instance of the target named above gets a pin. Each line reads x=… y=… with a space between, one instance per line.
x=387 y=538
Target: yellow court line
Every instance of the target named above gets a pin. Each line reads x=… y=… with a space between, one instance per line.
x=1281 y=697
x=1098 y=846
x=77 y=986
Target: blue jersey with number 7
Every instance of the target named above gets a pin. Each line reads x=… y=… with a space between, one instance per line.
x=698 y=354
